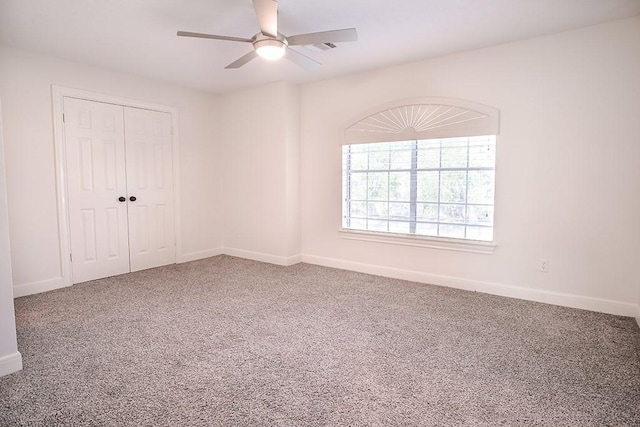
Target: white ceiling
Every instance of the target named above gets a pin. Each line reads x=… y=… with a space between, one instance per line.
x=139 y=36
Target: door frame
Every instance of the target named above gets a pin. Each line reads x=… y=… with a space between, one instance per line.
x=58 y=95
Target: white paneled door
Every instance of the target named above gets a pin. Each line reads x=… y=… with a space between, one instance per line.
x=96 y=180
x=120 y=188
x=150 y=188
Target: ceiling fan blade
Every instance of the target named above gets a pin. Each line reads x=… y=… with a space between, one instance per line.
x=302 y=60
x=213 y=36
x=267 y=14
x=242 y=60
x=333 y=36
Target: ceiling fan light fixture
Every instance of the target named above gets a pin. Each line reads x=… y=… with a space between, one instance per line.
x=270 y=48
x=272 y=45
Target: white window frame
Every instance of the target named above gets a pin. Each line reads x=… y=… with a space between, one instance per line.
x=417 y=119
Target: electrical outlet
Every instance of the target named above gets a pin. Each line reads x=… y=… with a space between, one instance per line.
x=543 y=266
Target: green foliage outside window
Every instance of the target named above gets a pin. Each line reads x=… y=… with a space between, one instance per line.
x=437 y=187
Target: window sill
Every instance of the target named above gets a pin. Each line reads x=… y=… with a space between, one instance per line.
x=473 y=246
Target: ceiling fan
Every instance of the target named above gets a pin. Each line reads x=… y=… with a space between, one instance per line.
x=271 y=44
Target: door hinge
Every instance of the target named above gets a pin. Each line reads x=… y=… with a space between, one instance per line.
x=70 y=257
x=63 y=120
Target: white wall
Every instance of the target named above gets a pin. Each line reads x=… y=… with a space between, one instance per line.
x=261 y=178
x=25 y=87
x=568 y=179
x=260 y=168
x=638 y=308
x=10 y=358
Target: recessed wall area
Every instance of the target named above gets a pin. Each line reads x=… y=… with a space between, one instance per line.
x=260 y=169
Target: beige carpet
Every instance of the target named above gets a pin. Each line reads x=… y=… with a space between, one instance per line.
x=231 y=342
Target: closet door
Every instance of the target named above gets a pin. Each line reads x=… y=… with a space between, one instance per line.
x=149 y=188
x=96 y=187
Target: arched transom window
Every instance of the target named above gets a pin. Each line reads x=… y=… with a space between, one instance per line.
x=421 y=167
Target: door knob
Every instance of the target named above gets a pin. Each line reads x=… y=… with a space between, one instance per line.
x=132 y=198
x=122 y=199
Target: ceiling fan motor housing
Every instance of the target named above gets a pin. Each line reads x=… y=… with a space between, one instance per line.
x=270 y=47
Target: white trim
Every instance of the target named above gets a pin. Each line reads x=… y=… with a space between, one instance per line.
x=25 y=289
x=395 y=121
x=177 y=211
x=556 y=298
x=473 y=246
x=61 y=188
x=10 y=363
x=59 y=282
x=58 y=95
x=194 y=256
x=262 y=257
x=62 y=91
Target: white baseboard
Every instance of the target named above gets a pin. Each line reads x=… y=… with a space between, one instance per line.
x=25 y=289
x=10 y=363
x=549 y=297
x=262 y=257
x=194 y=256
x=555 y=298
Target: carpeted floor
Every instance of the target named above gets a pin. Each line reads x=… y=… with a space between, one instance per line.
x=231 y=342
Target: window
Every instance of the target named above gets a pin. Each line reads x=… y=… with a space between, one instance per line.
x=420 y=167
x=430 y=187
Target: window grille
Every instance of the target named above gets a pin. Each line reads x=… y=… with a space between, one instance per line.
x=430 y=187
